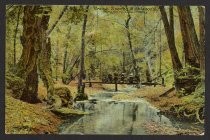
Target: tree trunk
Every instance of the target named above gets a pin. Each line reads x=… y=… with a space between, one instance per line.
x=160 y=52
x=201 y=11
x=65 y=60
x=56 y=22
x=169 y=30
x=82 y=67
x=136 y=70
x=69 y=70
x=148 y=62
x=192 y=50
x=191 y=55
x=30 y=39
x=148 y=72
x=15 y=35
x=123 y=63
x=64 y=77
x=44 y=64
x=192 y=32
x=56 y=60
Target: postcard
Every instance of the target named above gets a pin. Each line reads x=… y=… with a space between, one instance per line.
x=105 y=69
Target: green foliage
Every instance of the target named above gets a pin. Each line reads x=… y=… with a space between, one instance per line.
x=105 y=31
x=74 y=14
x=189 y=72
x=197 y=97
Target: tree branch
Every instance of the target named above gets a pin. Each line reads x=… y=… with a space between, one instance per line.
x=60 y=16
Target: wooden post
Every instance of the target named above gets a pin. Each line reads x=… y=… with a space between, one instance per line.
x=163 y=81
x=90 y=84
x=115 y=80
x=116 y=86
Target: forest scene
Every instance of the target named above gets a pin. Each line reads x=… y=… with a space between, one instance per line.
x=97 y=69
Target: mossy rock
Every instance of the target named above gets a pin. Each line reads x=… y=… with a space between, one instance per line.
x=65 y=112
x=16 y=84
x=62 y=98
x=65 y=94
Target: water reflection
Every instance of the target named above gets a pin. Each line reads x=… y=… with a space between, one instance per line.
x=111 y=117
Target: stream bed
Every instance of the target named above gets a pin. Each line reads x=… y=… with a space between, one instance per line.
x=110 y=117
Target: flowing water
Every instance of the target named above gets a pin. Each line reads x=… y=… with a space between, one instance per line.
x=107 y=116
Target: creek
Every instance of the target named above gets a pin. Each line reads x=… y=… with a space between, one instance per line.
x=108 y=116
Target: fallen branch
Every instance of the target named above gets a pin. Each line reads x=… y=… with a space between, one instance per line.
x=167 y=92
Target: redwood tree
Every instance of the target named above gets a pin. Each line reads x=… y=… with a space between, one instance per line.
x=35 y=17
x=169 y=30
x=189 y=36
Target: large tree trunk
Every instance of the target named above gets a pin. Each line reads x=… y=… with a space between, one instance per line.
x=44 y=64
x=192 y=49
x=192 y=32
x=82 y=66
x=187 y=29
x=30 y=39
x=169 y=30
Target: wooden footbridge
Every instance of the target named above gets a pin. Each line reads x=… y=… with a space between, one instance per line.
x=117 y=83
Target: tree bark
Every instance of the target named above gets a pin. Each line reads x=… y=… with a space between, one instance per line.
x=160 y=52
x=65 y=60
x=123 y=62
x=169 y=30
x=44 y=55
x=30 y=39
x=44 y=64
x=191 y=53
x=82 y=66
x=136 y=70
x=201 y=11
x=192 y=32
x=192 y=50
